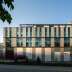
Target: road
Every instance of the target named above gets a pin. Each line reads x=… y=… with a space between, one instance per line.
x=30 y=68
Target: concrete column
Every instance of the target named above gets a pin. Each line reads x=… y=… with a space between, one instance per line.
x=24 y=32
x=52 y=42
x=47 y=54
x=8 y=32
x=62 y=54
x=43 y=43
x=28 y=32
x=43 y=37
x=33 y=43
x=24 y=37
x=38 y=31
x=19 y=32
x=38 y=53
x=52 y=31
x=52 y=54
x=62 y=43
x=13 y=37
x=66 y=31
x=43 y=55
x=29 y=53
x=71 y=36
x=33 y=37
x=62 y=36
x=71 y=31
x=57 y=31
x=4 y=35
x=47 y=31
x=52 y=35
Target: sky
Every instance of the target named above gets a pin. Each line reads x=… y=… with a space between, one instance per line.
x=39 y=12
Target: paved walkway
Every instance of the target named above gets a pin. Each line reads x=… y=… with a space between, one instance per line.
x=30 y=68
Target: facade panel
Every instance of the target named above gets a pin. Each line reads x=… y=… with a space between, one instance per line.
x=48 y=42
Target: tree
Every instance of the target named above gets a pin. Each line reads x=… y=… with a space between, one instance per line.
x=4 y=14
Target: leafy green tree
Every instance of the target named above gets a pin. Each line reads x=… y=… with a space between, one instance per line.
x=4 y=14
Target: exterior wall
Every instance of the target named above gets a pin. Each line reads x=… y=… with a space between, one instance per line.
x=44 y=53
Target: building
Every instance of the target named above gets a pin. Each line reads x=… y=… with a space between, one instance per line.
x=49 y=42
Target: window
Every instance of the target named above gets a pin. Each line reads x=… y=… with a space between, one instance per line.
x=6 y=32
x=64 y=31
x=59 y=32
x=21 y=31
x=18 y=42
x=30 y=31
x=38 y=42
x=8 y=42
x=47 y=42
x=68 y=31
x=49 y=31
x=45 y=32
x=66 y=42
x=55 y=31
x=57 y=42
x=9 y=32
x=38 y=31
x=26 y=31
x=17 y=30
x=28 y=42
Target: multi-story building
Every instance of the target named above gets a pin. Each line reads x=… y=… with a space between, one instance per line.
x=49 y=42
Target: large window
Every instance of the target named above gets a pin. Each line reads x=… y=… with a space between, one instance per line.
x=57 y=41
x=38 y=42
x=8 y=42
x=10 y=32
x=38 y=32
x=45 y=32
x=68 y=31
x=66 y=42
x=47 y=42
x=28 y=42
x=18 y=42
x=30 y=31
x=64 y=31
x=17 y=32
x=49 y=31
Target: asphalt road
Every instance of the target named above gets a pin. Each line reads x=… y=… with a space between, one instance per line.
x=30 y=68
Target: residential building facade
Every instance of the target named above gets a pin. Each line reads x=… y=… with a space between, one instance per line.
x=49 y=42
